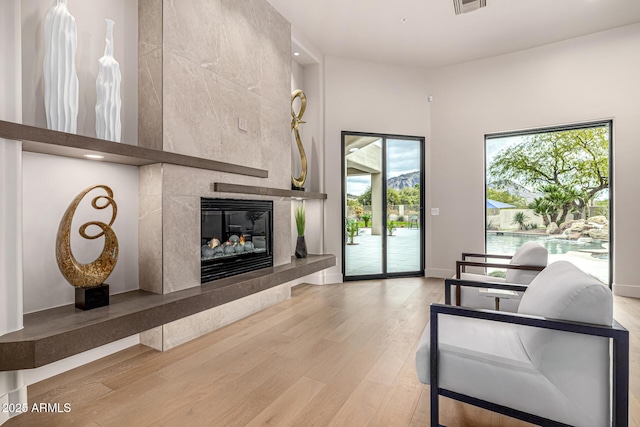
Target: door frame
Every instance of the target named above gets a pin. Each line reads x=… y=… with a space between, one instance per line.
x=384 y=137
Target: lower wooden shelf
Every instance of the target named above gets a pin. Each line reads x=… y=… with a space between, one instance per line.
x=60 y=332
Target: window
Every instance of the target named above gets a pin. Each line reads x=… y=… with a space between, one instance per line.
x=552 y=186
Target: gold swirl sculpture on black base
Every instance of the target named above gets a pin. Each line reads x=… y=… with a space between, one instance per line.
x=96 y=272
x=296 y=119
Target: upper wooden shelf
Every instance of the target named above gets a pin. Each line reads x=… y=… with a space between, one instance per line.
x=45 y=141
x=223 y=187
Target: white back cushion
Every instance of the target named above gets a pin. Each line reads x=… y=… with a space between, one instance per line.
x=531 y=253
x=577 y=365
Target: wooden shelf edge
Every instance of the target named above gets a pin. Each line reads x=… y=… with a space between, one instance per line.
x=223 y=187
x=45 y=141
x=60 y=332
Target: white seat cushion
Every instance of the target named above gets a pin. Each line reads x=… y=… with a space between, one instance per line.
x=486 y=360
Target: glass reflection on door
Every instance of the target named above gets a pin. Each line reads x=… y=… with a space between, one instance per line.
x=364 y=222
x=403 y=205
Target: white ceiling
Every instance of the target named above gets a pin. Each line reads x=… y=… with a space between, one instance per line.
x=434 y=36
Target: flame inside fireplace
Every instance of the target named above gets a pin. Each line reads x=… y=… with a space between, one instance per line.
x=235 y=245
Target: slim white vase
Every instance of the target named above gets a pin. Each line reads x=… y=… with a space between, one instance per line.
x=108 y=103
x=60 y=77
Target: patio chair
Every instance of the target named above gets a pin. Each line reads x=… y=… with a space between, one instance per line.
x=549 y=364
x=522 y=268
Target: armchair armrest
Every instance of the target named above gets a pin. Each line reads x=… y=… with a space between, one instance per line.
x=470 y=283
x=460 y=266
x=616 y=332
x=485 y=256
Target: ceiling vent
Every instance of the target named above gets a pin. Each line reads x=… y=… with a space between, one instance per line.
x=465 y=6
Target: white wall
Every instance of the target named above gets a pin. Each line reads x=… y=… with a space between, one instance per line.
x=90 y=16
x=12 y=386
x=589 y=78
x=50 y=185
x=366 y=97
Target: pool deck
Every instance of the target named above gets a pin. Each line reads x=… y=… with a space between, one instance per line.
x=365 y=257
x=404 y=254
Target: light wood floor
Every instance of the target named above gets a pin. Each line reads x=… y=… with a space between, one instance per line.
x=334 y=355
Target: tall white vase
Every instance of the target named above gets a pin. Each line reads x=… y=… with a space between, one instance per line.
x=60 y=77
x=108 y=103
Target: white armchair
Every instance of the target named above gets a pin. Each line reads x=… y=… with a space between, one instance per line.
x=522 y=268
x=549 y=364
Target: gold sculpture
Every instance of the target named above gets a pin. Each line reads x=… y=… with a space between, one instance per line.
x=96 y=272
x=295 y=121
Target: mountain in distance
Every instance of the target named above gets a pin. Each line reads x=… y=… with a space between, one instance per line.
x=409 y=179
x=515 y=189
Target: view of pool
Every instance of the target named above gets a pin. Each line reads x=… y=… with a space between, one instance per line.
x=508 y=243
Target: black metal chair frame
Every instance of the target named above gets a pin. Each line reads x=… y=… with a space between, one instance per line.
x=617 y=333
x=461 y=267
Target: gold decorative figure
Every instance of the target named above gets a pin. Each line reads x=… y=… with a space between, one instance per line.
x=96 y=272
x=296 y=119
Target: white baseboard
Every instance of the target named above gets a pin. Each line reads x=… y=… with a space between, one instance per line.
x=319 y=278
x=333 y=278
x=440 y=273
x=32 y=376
x=4 y=416
x=626 y=290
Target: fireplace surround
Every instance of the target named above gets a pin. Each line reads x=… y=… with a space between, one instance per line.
x=235 y=237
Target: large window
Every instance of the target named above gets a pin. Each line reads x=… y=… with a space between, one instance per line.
x=552 y=186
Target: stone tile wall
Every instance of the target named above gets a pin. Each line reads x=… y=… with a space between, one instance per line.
x=202 y=66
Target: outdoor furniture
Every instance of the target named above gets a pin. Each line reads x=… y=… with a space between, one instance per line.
x=413 y=220
x=522 y=268
x=549 y=364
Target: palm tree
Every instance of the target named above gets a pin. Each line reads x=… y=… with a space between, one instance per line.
x=520 y=218
x=543 y=208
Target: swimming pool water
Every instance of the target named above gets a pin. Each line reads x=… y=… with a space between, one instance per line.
x=509 y=243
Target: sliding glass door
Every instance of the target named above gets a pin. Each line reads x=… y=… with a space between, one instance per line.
x=383 y=190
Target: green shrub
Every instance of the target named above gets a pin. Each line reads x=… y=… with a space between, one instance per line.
x=366 y=217
x=520 y=219
x=391 y=227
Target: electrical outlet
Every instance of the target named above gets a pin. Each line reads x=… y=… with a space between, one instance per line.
x=242 y=124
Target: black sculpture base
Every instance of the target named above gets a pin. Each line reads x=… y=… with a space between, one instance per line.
x=293 y=187
x=89 y=298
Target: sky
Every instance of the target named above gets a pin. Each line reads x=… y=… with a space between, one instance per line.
x=403 y=156
x=495 y=145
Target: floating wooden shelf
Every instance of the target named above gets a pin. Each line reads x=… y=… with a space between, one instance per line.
x=54 y=334
x=265 y=191
x=45 y=141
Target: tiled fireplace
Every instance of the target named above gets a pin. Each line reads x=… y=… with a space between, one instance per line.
x=191 y=92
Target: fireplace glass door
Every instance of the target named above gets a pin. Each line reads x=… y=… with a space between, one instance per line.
x=236 y=237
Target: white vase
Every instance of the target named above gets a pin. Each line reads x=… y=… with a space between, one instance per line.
x=108 y=103
x=60 y=77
